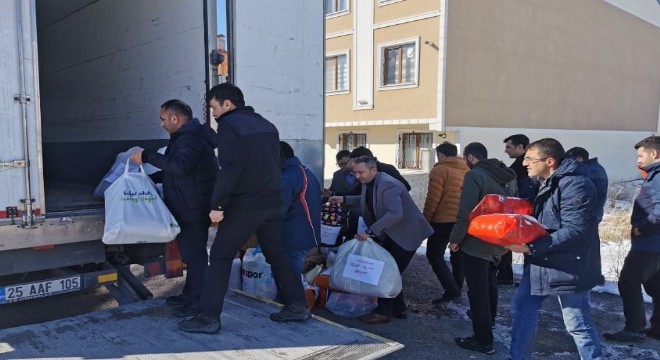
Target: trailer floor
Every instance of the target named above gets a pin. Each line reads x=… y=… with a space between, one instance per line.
x=147 y=330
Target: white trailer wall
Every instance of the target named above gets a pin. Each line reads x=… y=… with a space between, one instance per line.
x=279 y=67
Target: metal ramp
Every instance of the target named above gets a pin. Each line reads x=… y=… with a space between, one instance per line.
x=147 y=330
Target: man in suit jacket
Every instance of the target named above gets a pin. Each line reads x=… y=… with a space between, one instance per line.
x=393 y=220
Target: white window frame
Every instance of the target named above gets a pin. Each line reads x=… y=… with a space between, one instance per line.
x=357 y=132
x=347 y=53
x=338 y=13
x=388 y=2
x=381 y=55
x=398 y=154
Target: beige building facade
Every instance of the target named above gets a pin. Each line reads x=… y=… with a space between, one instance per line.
x=404 y=75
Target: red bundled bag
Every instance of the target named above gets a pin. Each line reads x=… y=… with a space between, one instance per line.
x=506 y=229
x=501 y=204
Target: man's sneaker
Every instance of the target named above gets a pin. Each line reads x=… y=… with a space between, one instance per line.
x=185 y=311
x=201 y=324
x=470 y=343
x=625 y=335
x=653 y=333
x=291 y=313
x=177 y=300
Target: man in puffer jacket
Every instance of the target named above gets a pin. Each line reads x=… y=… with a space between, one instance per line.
x=642 y=265
x=487 y=176
x=565 y=263
x=188 y=173
x=440 y=208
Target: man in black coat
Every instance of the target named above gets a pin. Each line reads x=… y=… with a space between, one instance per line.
x=188 y=173
x=515 y=146
x=246 y=200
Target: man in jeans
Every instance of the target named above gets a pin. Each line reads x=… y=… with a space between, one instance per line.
x=486 y=176
x=440 y=207
x=642 y=265
x=565 y=263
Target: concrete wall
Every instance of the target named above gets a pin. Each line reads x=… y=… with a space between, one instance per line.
x=564 y=64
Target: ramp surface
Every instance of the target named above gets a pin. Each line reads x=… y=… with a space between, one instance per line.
x=147 y=330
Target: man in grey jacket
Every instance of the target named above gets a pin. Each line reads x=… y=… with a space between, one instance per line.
x=394 y=221
x=487 y=176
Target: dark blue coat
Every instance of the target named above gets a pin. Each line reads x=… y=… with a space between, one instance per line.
x=598 y=176
x=646 y=212
x=188 y=171
x=297 y=232
x=568 y=260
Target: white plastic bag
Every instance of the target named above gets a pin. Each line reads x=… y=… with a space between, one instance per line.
x=256 y=275
x=135 y=214
x=350 y=305
x=117 y=169
x=365 y=268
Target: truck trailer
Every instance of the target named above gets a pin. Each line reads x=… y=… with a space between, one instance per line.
x=83 y=80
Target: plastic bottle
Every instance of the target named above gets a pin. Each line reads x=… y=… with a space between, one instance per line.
x=235 y=274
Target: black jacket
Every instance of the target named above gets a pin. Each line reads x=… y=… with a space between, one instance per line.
x=249 y=159
x=527 y=187
x=188 y=171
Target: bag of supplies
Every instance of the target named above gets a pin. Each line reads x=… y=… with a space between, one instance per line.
x=331 y=223
x=117 y=169
x=506 y=229
x=256 y=275
x=135 y=213
x=366 y=268
x=350 y=305
x=501 y=204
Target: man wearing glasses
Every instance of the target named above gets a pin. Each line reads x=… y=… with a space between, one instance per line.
x=565 y=263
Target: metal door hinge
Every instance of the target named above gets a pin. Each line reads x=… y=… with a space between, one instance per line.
x=22 y=98
x=14 y=164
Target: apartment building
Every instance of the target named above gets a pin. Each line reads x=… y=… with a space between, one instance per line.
x=404 y=75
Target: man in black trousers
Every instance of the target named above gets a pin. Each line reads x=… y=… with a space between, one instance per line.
x=246 y=200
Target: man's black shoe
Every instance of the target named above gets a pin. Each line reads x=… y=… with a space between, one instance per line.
x=625 y=335
x=470 y=343
x=201 y=324
x=177 y=300
x=653 y=333
x=185 y=311
x=291 y=313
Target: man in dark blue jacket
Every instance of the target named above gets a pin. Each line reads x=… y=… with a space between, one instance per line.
x=565 y=263
x=642 y=265
x=301 y=191
x=188 y=173
x=246 y=200
x=596 y=173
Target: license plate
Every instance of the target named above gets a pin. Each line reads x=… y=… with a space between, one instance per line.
x=14 y=293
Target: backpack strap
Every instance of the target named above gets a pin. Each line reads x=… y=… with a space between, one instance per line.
x=303 y=201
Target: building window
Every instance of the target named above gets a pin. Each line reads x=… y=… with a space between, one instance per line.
x=399 y=64
x=335 y=6
x=410 y=146
x=336 y=73
x=349 y=141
